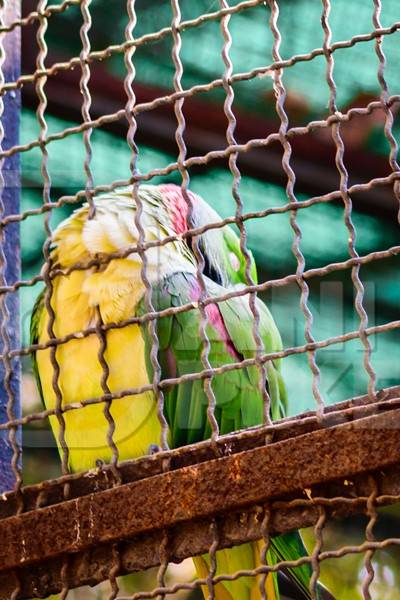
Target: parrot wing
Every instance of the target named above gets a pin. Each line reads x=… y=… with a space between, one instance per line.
x=239 y=401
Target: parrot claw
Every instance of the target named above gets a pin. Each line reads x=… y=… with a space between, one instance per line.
x=154 y=449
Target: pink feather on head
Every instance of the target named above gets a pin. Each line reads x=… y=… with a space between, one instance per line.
x=177 y=205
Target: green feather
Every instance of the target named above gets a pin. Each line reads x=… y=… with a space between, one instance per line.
x=238 y=397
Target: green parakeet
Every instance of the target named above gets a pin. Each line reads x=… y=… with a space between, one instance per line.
x=114 y=292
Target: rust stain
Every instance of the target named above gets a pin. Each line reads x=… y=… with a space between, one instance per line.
x=193 y=492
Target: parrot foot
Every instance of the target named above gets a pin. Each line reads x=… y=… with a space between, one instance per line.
x=154 y=449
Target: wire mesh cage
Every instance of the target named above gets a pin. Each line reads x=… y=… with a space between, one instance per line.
x=185 y=165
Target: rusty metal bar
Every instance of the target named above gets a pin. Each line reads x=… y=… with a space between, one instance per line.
x=50 y=492
x=188 y=539
x=357 y=439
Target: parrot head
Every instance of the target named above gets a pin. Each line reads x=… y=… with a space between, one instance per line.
x=164 y=213
x=224 y=261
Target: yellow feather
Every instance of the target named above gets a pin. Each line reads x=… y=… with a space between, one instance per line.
x=136 y=422
x=202 y=569
x=244 y=557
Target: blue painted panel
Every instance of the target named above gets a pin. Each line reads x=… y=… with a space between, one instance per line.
x=11 y=248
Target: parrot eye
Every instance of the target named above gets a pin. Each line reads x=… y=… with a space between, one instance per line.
x=235 y=262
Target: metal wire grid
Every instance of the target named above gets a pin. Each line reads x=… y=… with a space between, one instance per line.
x=182 y=165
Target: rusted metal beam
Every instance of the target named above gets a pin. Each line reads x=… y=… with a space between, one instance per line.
x=304 y=454
x=200 y=491
x=189 y=539
x=51 y=492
